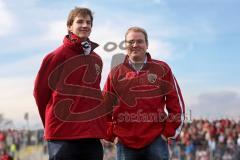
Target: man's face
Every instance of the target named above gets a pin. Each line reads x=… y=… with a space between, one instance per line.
x=136 y=46
x=81 y=26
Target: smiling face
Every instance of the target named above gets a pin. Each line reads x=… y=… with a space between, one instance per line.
x=80 y=22
x=81 y=26
x=136 y=46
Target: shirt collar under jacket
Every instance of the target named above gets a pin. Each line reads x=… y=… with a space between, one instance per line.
x=131 y=64
x=147 y=59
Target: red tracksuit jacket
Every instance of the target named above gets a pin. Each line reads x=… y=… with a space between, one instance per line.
x=68 y=84
x=139 y=115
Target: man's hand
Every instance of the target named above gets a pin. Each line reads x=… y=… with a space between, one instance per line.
x=115 y=140
x=164 y=138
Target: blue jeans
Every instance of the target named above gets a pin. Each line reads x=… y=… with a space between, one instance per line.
x=83 y=149
x=157 y=150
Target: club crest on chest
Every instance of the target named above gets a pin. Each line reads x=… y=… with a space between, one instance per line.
x=98 y=69
x=151 y=77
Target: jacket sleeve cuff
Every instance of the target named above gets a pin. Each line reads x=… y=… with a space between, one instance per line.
x=168 y=132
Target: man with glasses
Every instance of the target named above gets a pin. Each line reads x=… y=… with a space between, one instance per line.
x=149 y=107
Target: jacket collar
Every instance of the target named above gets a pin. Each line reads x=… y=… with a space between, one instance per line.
x=73 y=41
x=146 y=65
x=149 y=59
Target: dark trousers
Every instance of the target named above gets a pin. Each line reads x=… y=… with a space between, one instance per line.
x=157 y=150
x=83 y=149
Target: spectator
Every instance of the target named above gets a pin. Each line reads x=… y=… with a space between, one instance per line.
x=5 y=156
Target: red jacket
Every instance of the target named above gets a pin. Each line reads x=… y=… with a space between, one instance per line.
x=139 y=117
x=67 y=86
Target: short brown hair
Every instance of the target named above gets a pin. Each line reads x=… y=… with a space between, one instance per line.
x=79 y=11
x=137 y=29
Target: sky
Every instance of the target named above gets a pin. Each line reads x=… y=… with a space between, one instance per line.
x=199 y=39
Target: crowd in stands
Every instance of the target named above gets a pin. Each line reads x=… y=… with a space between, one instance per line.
x=202 y=140
x=12 y=141
x=199 y=140
x=205 y=140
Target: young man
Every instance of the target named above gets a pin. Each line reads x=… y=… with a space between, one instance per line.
x=149 y=107
x=67 y=84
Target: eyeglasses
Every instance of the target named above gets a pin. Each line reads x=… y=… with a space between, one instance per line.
x=138 y=41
